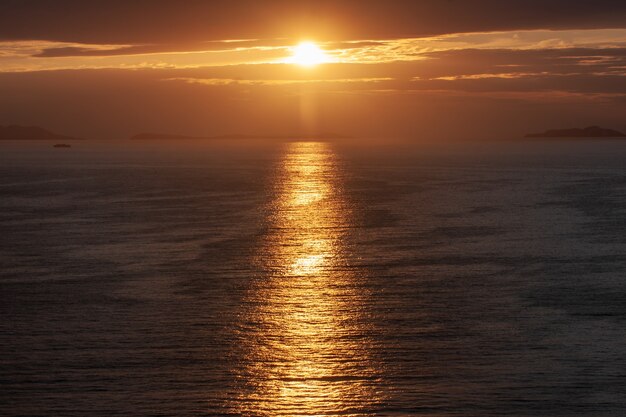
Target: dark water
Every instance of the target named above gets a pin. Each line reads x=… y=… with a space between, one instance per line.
x=310 y=279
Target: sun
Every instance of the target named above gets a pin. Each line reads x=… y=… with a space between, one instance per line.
x=307 y=54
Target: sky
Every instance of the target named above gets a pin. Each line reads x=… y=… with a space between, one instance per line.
x=419 y=70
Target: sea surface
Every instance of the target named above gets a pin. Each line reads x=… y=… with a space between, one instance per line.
x=313 y=279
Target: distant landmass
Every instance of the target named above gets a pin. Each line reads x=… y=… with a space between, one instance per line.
x=14 y=132
x=588 y=132
x=162 y=136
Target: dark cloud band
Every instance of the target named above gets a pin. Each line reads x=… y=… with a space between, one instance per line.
x=158 y=21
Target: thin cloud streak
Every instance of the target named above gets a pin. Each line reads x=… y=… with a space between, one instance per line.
x=415 y=49
x=45 y=55
x=231 y=81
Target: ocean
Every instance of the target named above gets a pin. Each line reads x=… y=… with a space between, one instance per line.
x=313 y=278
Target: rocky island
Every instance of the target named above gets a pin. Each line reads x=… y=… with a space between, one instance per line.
x=15 y=132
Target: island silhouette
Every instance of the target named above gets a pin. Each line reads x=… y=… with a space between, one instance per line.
x=15 y=132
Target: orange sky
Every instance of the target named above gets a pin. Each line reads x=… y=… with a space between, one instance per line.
x=409 y=69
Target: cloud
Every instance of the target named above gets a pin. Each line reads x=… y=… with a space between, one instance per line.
x=419 y=48
x=262 y=82
x=124 y=22
x=47 y=55
x=87 y=50
x=117 y=103
x=199 y=68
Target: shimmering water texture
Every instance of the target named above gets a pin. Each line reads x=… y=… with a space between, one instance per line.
x=313 y=279
x=308 y=346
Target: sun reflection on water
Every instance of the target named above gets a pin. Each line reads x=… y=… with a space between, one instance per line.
x=306 y=342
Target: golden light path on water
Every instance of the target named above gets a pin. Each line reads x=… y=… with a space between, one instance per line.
x=307 y=347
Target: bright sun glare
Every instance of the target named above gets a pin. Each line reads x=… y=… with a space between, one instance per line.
x=308 y=54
